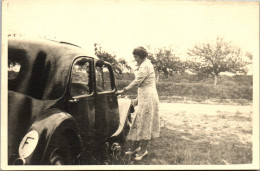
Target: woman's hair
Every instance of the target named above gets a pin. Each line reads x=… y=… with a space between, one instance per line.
x=140 y=51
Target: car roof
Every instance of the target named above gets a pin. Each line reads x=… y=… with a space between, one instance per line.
x=62 y=48
x=45 y=64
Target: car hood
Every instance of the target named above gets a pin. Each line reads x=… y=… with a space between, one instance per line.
x=21 y=111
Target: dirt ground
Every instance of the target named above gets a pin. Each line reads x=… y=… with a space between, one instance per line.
x=212 y=120
x=202 y=134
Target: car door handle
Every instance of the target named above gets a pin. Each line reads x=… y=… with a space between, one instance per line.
x=74 y=100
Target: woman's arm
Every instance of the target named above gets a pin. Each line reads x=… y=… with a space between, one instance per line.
x=141 y=75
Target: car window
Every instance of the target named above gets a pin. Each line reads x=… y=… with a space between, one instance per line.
x=32 y=72
x=103 y=79
x=13 y=69
x=80 y=80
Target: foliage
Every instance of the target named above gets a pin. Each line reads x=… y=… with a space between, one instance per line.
x=212 y=59
x=118 y=65
x=165 y=61
x=123 y=65
x=192 y=86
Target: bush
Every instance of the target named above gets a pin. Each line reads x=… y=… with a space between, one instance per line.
x=197 y=90
x=124 y=76
x=236 y=87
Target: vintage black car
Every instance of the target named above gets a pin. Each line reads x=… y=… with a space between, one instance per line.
x=62 y=106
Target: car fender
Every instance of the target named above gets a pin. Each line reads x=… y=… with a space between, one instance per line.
x=125 y=108
x=48 y=126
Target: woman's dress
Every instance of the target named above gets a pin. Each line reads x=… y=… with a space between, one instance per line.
x=146 y=124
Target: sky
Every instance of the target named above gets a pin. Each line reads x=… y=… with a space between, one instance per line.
x=121 y=25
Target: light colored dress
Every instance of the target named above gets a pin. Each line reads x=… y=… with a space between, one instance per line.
x=146 y=124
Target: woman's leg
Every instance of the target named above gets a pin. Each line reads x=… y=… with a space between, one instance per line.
x=133 y=145
x=143 y=152
x=136 y=144
x=133 y=148
x=144 y=146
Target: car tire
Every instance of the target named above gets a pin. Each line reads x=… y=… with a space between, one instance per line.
x=61 y=152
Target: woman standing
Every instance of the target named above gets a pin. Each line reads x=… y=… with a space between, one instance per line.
x=146 y=123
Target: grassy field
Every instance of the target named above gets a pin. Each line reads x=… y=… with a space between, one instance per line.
x=235 y=88
x=200 y=134
x=201 y=124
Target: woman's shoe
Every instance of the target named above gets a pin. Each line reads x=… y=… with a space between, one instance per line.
x=141 y=157
x=129 y=152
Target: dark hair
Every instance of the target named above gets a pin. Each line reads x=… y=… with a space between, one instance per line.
x=140 y=51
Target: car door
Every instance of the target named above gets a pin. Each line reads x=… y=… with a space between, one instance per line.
x=81 y=102
x=106 y=105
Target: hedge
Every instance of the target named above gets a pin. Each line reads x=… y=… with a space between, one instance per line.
x=197 y=90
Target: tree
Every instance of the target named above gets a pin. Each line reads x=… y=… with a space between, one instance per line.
x=118 y=65
x=166 y=62
x=212 y=59
x=123 y=65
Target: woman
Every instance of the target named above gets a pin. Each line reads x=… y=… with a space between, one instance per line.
x=145 y=126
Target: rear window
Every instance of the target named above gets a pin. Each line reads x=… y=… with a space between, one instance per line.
x=13 y=69
x=29 y=74
x=16 y=63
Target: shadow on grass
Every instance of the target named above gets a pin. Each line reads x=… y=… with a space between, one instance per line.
x=172 y=149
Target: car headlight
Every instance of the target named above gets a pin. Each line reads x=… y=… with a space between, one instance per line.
x=28 y=144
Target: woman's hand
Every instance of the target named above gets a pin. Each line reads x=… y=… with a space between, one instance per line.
x=119 y=92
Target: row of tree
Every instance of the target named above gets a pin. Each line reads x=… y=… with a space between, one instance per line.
x=205 y=59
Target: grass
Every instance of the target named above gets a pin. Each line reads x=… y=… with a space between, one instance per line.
x=197 y=90
x=221 y=138
x=178 y=148
x=190 y=86
x=216 y=135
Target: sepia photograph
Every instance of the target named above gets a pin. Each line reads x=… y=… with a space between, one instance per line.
x=120 y=84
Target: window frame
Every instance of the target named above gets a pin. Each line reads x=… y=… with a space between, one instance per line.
x=111 y=76
x=91 y=78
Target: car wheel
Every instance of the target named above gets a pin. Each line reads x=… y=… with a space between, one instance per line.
x=57 y=159
x=61 y=153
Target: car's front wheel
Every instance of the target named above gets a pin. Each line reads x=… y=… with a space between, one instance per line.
x=57 y=159
x=61 y=152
